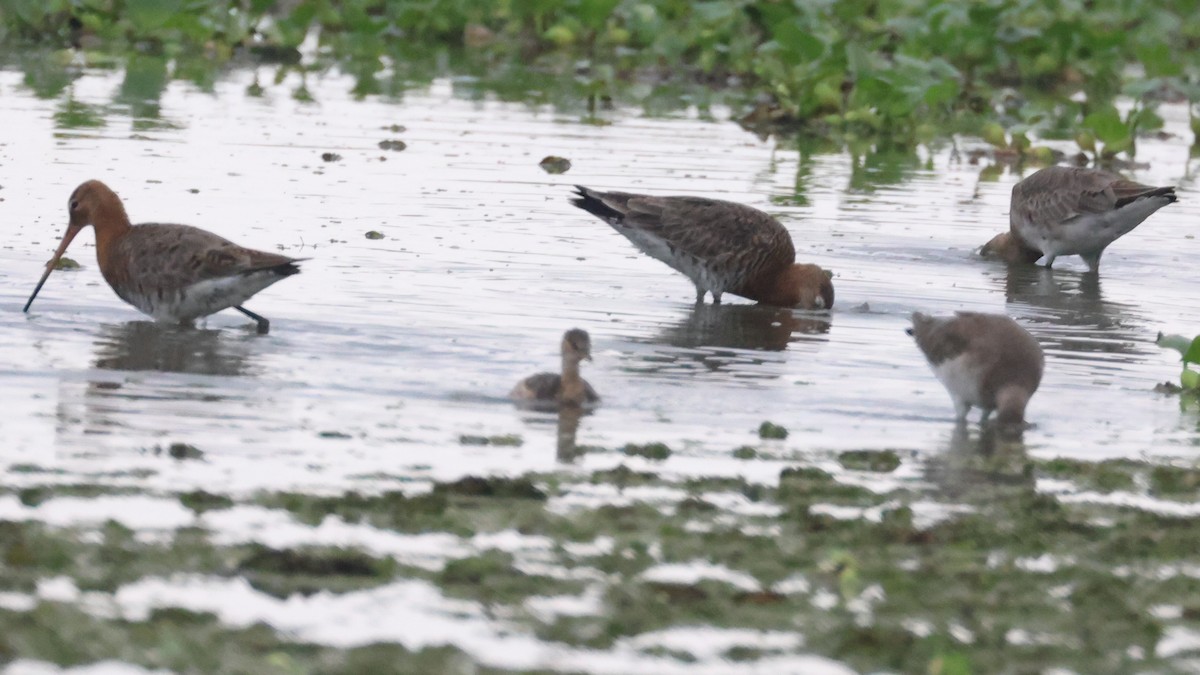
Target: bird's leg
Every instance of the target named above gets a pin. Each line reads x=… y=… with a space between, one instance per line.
x=264 y=326
x=1092 y=260
x=716 y=298
x=961 y=408
x=700 y=295
x=987 y=412
x=1050 y=262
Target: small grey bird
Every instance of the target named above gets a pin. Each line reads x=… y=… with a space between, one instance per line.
x=983 y=360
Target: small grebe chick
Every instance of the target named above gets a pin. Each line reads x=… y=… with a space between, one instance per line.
x=567 y=389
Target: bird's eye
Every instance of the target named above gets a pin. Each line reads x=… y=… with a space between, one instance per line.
x=74 y=204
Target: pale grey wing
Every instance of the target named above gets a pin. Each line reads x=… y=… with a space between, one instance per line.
x=1058 y=194
x=715 y=231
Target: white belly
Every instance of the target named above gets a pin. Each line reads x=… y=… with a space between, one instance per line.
x=202 y=298
x=961 y=379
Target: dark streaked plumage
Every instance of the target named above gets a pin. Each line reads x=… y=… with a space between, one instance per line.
x=548 y=386
x=721 y=246
x=174 y=273
x=1063 y=210
x=983 y=360
x=567 y=388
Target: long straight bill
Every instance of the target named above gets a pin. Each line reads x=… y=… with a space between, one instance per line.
x=72 y=230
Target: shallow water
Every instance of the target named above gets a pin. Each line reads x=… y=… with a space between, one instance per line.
x=384 y=352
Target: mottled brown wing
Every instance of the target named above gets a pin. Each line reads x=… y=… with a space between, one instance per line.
x=714 y=230
x=1058 y=193
x=540 y=387
x=176 y=256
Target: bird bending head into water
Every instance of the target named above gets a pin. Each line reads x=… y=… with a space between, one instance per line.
x=174 y=273
x=983 y=360
x=723 y=247
x=1061 y=210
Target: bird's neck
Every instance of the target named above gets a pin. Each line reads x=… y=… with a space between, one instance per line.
x=572 y=383
x=111 y=225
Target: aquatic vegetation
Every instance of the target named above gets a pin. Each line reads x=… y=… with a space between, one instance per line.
x=900 y=72
x=1189 y=350
x=883 y=461
x=745 y=452
x=772 y=431
x=655 y=451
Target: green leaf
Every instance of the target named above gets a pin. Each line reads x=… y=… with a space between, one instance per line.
x=716 y=12
x=797 y=44
x=1189 y=379
x=1158 y=59
x=941 y=92
x=150 y=15
x=1193 y=353
x=593 y=13
x=1108 y=126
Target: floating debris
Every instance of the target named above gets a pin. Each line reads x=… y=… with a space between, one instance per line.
x=511 y=440
x=555 y=165
x=396 y=145
x=331 y=157
x=65 y=263
x=182 y=451
x=374 y=234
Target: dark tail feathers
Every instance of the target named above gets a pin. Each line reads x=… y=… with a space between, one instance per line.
x=1168 y=192
x=593 y=205
x=285 y=269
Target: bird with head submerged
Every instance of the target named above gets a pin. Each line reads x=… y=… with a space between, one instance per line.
x=1062 y=210
x=567 y=388
x=723 y=247
x=983 y=360
x=173 y=273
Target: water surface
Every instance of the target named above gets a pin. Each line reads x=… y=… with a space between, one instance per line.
x=384 y=353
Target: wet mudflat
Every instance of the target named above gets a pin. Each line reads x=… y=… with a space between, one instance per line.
x=353 y=490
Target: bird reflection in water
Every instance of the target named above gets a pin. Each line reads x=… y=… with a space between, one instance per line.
x=149 y=405
x=566 y=419
x=568 y=426
x=980 y=462
x=757 y=327
x=1077 y=318
x=716 y=337
x=146 y=345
